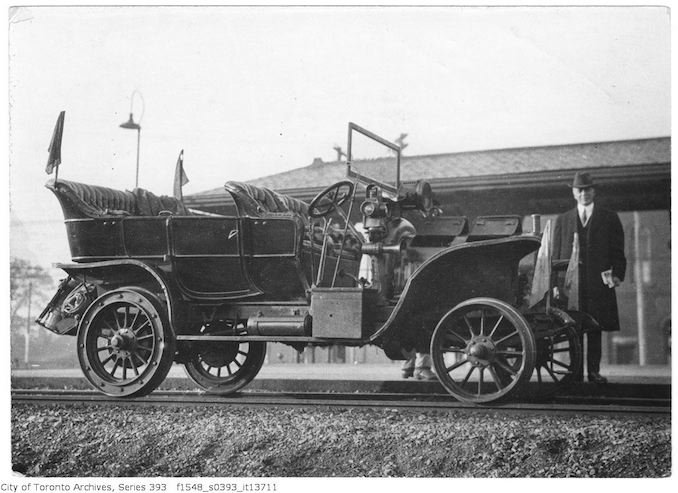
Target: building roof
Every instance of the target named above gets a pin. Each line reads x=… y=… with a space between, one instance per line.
x=476 y=164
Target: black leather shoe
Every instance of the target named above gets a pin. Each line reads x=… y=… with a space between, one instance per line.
x=597 y=378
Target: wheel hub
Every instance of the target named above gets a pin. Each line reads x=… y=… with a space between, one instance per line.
x=481 y=351
x=123 y=342
x=218 y=355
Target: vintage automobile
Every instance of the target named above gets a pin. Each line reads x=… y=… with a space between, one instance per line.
x=153 y=282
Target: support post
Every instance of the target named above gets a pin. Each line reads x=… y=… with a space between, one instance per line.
x=640 y=295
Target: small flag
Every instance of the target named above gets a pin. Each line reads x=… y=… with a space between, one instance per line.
x=54 y=149
x=541 y=282
x=180 y=178
x=571 y=289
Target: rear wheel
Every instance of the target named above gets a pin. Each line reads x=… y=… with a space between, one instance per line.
x=125 y=344
x=559 y=353
x=483 y=350
x=224 y=367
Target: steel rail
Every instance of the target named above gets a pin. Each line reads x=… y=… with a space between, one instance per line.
x=440 y=402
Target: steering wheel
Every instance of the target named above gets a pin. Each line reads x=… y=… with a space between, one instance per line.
x=331 y=198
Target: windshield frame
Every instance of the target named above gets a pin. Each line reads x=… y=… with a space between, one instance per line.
x=368 y=179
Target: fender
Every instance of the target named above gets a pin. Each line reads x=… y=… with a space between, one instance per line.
x=487 y=268
x=127 y=272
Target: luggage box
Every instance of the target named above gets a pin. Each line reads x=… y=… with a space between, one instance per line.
x=342 y=313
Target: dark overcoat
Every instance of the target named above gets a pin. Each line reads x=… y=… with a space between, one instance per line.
x=604 y=250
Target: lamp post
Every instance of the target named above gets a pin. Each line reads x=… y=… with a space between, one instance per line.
x=130 y=124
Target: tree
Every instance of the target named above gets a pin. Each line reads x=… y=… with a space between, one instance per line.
x=26 y=282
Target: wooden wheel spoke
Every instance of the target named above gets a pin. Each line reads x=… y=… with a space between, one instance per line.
x=468 y=325
x=553 y=375
x=505 y=338
x=456 y=365
x=509 y=352
x=124 y=368
x=561 y=350
x=560 y=363
x=482 y=325
x=468 y=375
x=116 y=317
x=103 y=348
x=141 y=360
x=454 y=334
x=134 y=320
x=134 y=365
x=505 y=367
x=146 y=322
x=495 y=377
x=110 y=357
x=496 y=326
x=481 y=381
x=453 y=350
x=115 y=367
x=105 y=322
x=539 y=375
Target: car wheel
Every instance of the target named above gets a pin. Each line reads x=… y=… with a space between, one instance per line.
x=125 y=344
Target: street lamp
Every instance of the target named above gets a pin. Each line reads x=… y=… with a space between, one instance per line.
x=130 y=124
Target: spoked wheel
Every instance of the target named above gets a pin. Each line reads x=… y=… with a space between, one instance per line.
x=483 y=350
x=125 y=344
x=559 y=353
x=224 y=367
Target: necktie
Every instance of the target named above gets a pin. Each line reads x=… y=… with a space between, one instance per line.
x=583 y=217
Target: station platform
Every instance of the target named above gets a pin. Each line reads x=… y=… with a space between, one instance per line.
x=624 y=380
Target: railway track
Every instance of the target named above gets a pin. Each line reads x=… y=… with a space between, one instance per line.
x=415 y=402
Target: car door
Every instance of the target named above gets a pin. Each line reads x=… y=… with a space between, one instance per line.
x=207 y=257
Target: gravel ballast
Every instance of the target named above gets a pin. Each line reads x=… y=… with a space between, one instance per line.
x=93 y=441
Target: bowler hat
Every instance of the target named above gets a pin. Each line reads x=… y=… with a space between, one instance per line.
x=582 y=180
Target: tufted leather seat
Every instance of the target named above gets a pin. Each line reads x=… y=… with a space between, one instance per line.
x=79 y=200
x=255 y=201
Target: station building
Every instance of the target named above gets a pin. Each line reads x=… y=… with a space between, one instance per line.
x=633 y=178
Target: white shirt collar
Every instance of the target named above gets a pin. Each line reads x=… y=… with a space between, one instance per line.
x=589 y=210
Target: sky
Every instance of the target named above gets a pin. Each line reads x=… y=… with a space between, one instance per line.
x=248 y=92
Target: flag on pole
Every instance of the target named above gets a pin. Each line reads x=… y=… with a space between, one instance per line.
x=54 y=149
x=541 y=282
x=571 y=288
x=180 y=178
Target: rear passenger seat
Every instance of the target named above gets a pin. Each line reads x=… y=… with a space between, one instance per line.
x=79 y=200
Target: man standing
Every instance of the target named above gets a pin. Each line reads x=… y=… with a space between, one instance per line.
x=602 y=263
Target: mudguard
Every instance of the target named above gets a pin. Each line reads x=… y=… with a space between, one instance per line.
x=125 y=272
x=487 y=268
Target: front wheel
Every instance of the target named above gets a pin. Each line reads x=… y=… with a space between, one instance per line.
x=125 y=343
x=483 y=350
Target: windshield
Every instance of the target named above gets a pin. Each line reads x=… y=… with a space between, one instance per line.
x=372 y=159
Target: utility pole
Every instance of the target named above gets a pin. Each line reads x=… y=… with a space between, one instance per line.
x=28 y=323
x=340 y=153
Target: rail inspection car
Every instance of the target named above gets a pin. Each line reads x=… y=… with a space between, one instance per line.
x=153 y=282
